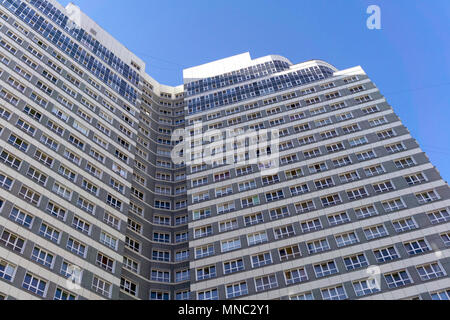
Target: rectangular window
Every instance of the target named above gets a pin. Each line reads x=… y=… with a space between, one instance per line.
x=356 y=261
x=35 y=284
x=397 y=279
x=266 y=282
x=325 y=269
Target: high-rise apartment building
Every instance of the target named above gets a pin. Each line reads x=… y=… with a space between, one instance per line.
x=296 y=181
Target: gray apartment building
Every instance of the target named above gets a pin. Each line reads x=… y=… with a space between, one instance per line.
x=255 y=179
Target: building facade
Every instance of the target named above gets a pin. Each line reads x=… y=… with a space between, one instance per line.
x=255 y=179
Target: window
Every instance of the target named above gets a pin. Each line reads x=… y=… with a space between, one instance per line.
x=441 y=295
x=356 y=261
x=29 y=195
x=311 y=153
x=304 y=206
x=404 y=163
x=161 y=255
x=346 y=239
x=101 y=286
x=7 y=270
x=56 y=211
x=159 y=295
x=325 y=269
x=386 y=134
x=335 y=147
x=257 y=238
x=295 y=276
x=415 y=179
x=18 y=143
x=62 y=191
x=236 y=290
x=130 y=264
x=385 y=254
x=261 y=259
x=49 y=232
x=393 y=148
x=43 y=257
x=430 y=271
x=253 y=219
x=35 y=284
x=349 y=176
x=339 y=218
x=279 y=213
x=427 y=196
x=416 y=246
x=383 y=187
x=357 y=193
x=201 y=252
x=266 y=282
x=21 y=217
x=330 y=200
x=160 y=276
x=85 y=205
x=439 y=216
x=365 y=155
x=109 y=240
x=76 y=247
x=49 y=142
x=270 y=179
x=10 y=160
x=228 y=225
x=397 y=279
x=181 y=255
x=161 y=237
x=403 y=225
x=393 y=205
x=25 y=127
x=357 y=141
x=211 y=294
x=203 y=231
x=365 y=287
x=251 y=201
x=335 y=293
x=374 y=170
x=117 y=204
x=233 y=266
x=72 y=157
x=69 y=270
x=105 y=262
x=225 y=207
x=364 y=212
x=206 y=273
x=182 y=275
x=302 y=296
x=274 y=195
x=306 y=140
x=317 y=246
x=289 y=253
x=55 y=128
x=61 y=294
x=283 y=232
x=351 y=128
x=311 y=225
x=232 y=244
x=111 y=220
x=375 y=232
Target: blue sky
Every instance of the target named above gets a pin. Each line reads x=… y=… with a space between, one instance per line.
x=408 y=59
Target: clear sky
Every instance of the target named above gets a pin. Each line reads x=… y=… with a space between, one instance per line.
x=408 y=59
